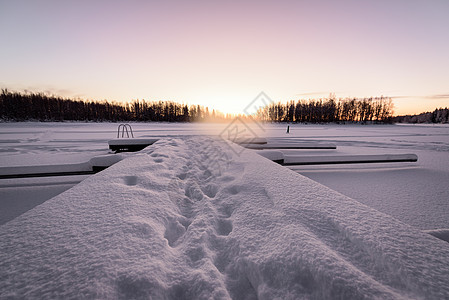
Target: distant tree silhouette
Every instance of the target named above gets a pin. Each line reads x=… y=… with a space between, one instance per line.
x=364 y=110
x=41 y=107
x=439 y=115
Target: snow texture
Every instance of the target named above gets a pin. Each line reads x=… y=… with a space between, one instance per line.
x=17 y=196
x=189 y=218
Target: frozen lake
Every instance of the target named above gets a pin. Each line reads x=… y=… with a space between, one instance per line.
x=415 y=193
x=176 y=220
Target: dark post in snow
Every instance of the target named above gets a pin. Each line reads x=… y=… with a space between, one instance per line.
x=288 y=128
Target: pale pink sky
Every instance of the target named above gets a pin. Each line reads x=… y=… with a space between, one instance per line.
x=223 y=53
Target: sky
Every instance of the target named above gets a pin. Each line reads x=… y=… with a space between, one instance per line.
x=222 y=54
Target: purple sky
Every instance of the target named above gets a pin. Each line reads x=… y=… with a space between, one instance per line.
x=223 y=53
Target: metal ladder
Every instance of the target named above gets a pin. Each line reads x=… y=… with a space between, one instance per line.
x=125 y=128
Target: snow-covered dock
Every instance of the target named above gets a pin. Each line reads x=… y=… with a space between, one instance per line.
x=94 y=165
x=130 y=144
x=290 y=145
x=303 y=160
x=347 y=159
x=188 y=217
x=137 y=144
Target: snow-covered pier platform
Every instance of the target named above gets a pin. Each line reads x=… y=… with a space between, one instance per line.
x=94 y=165
x=304 y=160
x=290 y=145
x=137 y=144
x=348 y=159
x=130 y=144
x=197 y=218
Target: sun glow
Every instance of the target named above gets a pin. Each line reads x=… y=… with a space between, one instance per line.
x=225 y=102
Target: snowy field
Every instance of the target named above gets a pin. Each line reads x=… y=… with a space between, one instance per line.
x=197 y=218
x=415 y=193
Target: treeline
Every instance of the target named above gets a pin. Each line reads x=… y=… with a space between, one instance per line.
x=41 y=107
x=375 y=110
x=439 y=115
x=38 y=106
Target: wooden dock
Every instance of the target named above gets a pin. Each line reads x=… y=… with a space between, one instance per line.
x=289 y=146
x=347 y=159
x=130 y=144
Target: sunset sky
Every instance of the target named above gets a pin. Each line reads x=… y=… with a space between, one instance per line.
x=223 y=53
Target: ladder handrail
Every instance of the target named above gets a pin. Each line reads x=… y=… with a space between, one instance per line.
x=124 y=128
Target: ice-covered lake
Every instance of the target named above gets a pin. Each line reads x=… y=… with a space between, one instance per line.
x=415 y=193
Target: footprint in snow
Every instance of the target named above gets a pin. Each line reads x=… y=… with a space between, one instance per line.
x=206 y=174
x=194 y=192
x=226 y=210
x=159 y=155
x=173 y=231
x=185 y=222
x=227 y=178
x=234 y=189
x=210 y=190
x=195 y=254
x=130 y=180
x=224 y=227
x=182 y=176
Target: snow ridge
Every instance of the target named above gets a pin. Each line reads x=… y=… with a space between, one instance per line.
x=189 y=218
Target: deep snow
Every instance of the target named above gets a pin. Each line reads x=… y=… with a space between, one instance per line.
x=188 y=217
x=415 y=193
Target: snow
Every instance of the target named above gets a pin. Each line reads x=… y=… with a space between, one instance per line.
x=188 y=217
x=35 y=143
x=415 y=193
x=18 y=196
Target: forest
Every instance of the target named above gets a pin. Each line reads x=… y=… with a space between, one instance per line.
x=329 y=110
x=439 y=115
x=41 y=107
x=15 y=106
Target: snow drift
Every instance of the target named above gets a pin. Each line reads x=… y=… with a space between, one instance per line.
x=188 y=217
